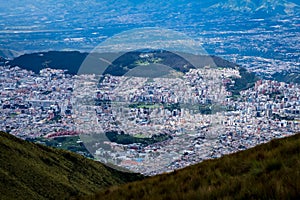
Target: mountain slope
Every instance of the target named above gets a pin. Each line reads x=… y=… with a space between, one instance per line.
x=72 y=60
x=66 y=60
x=32 y=171
x=122 y=63
x=268 y=171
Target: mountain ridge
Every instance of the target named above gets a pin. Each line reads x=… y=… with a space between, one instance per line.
x=263 y=7
x=34 y=171
x=267 y=171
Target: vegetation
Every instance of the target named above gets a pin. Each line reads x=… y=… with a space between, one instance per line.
x=71 y=61
x=277 y=116
x=145 y=105
x=128 y=139
x=246 y=81
x=70 y=143
x=205 y=109
x=34 y=171
x=268 y=171
x=132 y=59
x=172 y=106
x=287 y=76
x=65 y=60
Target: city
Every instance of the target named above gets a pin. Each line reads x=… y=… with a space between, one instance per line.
x=201 y=119
x=138 y=99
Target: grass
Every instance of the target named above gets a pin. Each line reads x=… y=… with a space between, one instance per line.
x=33 y=171
x=70 y=143
x=128 y=139
x=268 y=171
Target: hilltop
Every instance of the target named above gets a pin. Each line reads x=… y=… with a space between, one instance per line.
x=118 y=64
x=72 y=60
x=33 y=171
x=267 y=171
x=66 y=60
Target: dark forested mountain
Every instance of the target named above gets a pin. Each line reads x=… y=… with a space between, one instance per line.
x=122 y=63
x=68 y=60
x=72 y=60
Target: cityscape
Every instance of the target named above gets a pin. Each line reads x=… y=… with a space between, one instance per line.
x=190 y=116
x=135 y=99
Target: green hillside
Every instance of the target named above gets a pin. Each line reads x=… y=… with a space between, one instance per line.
x=159 y=63
x=268 y=171
x=32 y=171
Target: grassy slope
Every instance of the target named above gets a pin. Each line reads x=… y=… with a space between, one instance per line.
x=268 y=171
x=31 y=171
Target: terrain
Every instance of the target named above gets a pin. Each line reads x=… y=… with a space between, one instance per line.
x=267 y=171
x=260 y=35
x=122 y=63
x=72 y=60
x=260 y=38
x=33 y=171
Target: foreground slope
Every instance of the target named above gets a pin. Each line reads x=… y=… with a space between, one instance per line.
x=268 y=171
x=31 y=171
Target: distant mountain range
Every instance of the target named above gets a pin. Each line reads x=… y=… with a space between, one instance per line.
x=33 y=171
x=256 y=6
x=244 y=6
x=65 y=26
x=269 y=7
x=9 y=54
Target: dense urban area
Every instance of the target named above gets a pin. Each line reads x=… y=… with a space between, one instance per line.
x=148 y=125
